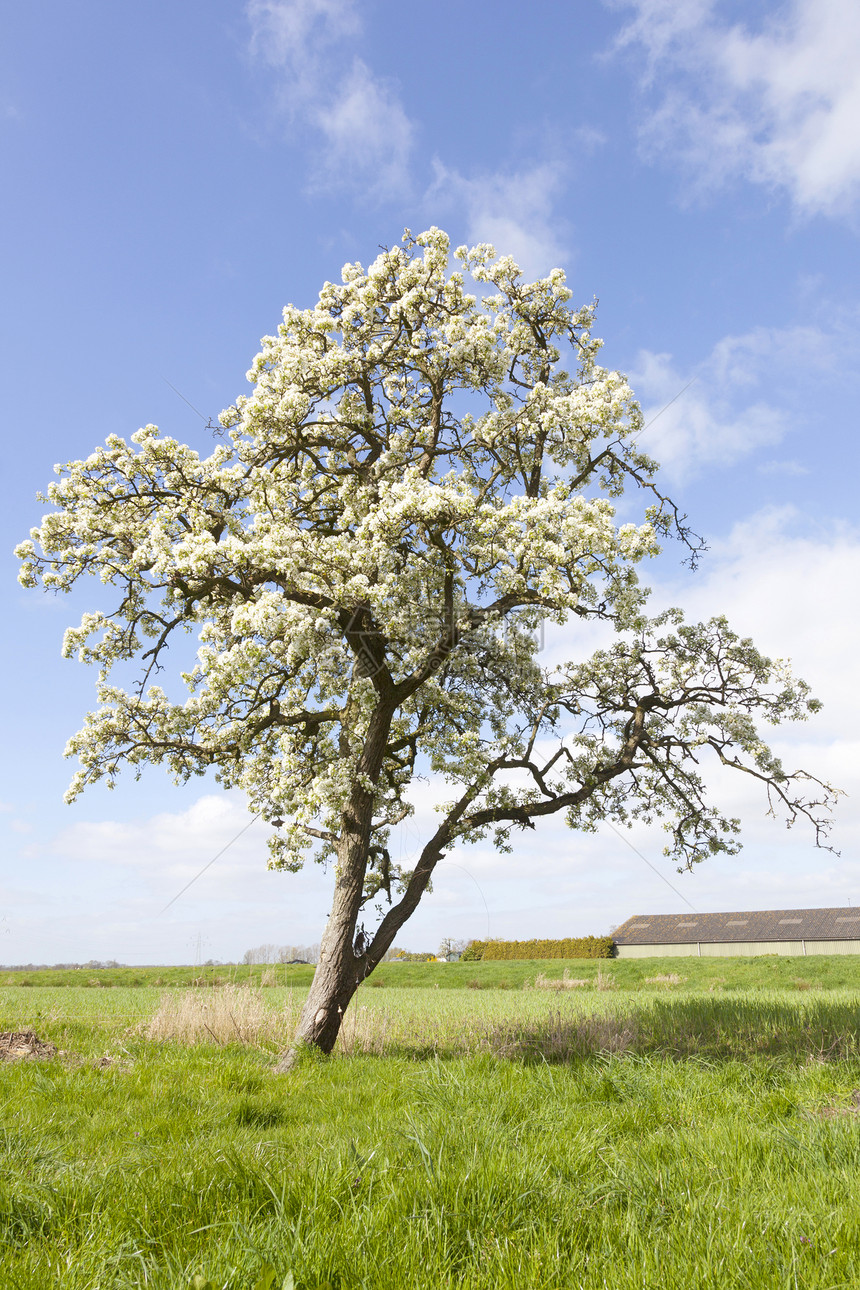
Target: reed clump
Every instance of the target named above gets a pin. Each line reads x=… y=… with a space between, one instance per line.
x=238 y=1015
x=231 y=1014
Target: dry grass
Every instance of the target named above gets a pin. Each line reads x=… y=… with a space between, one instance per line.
x=364 y=1030
x=665 y=978
x=21 y=1045
x=565 y=982
x=229 y=1015
x=602 y=981
x=800 y=983
x=238 y=1015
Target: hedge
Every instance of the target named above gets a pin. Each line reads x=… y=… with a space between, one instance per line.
x=582 y=947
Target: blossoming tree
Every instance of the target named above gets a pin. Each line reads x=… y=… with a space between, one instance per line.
x=419 y=480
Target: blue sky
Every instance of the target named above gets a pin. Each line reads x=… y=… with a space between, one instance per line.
x=176 y=174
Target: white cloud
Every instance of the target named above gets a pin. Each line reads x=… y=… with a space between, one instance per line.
x=789 y=468
x=777 y=105
x=294 y=33
x=700 y=428
x=367 y=132
x=170 y=843
x=789 y=583
x=749 y=393
x=792 y=586
x=366 y=136
x=512 y=209
x=98 y=889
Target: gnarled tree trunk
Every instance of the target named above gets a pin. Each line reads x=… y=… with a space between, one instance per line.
x=339 y=971
x=343 y=964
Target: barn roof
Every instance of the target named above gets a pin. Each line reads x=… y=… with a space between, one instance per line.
x=751 y=925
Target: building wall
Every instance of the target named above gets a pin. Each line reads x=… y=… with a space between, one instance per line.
x=736 y=949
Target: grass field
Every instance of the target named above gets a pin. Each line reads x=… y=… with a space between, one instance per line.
x=681 y=1134
x=817 y=970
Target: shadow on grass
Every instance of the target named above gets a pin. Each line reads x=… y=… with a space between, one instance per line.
x=720 y=1028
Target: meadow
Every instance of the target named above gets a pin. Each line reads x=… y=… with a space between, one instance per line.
x=473 y=1130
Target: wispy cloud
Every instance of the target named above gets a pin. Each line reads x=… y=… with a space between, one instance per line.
x=704 y=427
x=784 y=578
x=789 y=468
x=295 y=34
x=744 y=395
x=360 y=137
x=777 y=105
x=367 y=133
x=363 y=136
x=512 y=209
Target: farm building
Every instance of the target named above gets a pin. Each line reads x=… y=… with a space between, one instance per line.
x=758 y=931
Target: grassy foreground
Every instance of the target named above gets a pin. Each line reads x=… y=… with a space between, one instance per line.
x=624 y=1138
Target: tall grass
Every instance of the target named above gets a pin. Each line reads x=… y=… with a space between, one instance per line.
x=653 y=1136
x=237 y=1015
x=470 y=1172
x=231 y=1015
x=555 y=1027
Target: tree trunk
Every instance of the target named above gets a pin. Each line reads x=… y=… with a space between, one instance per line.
x=335 y=982
x=339 y=970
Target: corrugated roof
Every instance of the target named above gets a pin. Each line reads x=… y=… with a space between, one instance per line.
x=751 y=925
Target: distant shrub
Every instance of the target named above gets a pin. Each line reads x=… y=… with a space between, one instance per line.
x=474 y=952
x=583 y=947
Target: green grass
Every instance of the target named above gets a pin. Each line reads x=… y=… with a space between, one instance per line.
x=495 y=1142
x=131 y=977
x=422 y=1023
x=765 y=972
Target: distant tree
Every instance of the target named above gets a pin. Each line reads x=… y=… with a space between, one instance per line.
x=262 y=954
x=294 y=953
x=418 y=482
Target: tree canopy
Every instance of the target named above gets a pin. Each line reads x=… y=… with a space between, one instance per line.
x=422 y=477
